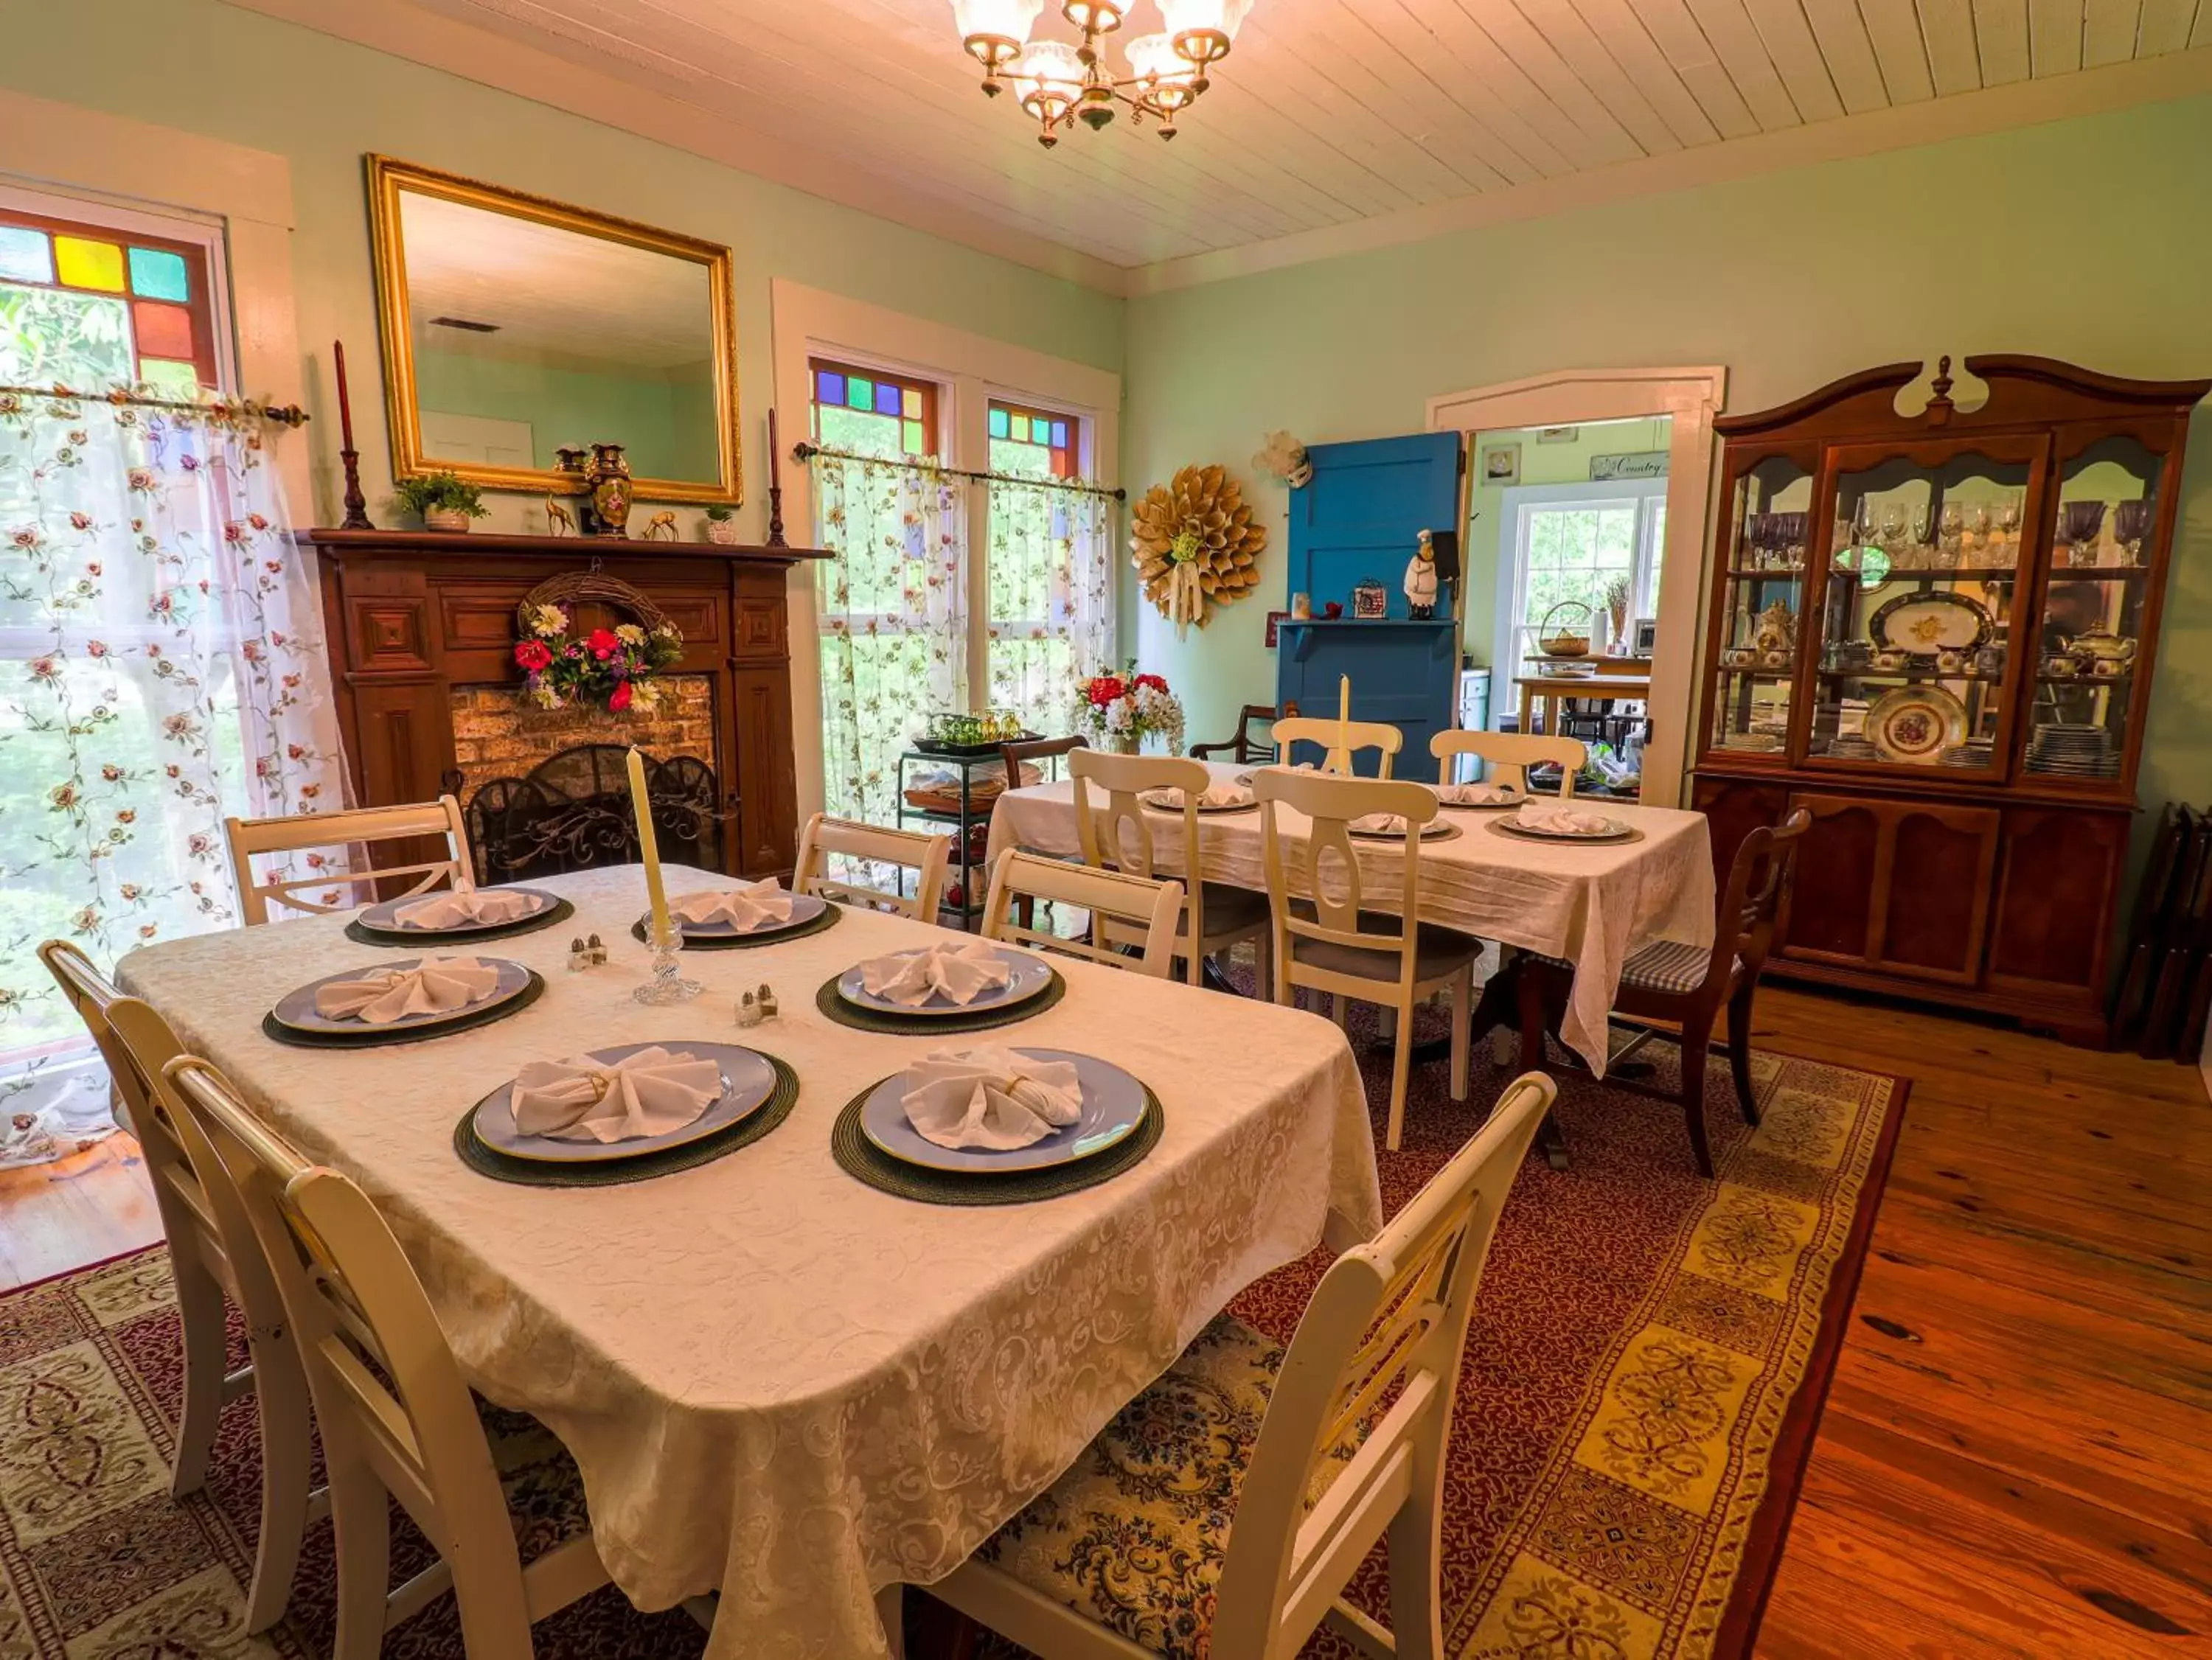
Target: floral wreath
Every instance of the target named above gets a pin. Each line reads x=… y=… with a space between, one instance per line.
x=612 y=667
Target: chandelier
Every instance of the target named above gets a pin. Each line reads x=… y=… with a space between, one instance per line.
x=1058 y=82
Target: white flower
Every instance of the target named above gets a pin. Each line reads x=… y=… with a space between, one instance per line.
x=629 y=633
x=548 y=620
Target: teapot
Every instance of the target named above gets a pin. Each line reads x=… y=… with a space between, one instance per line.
x=2101 y=652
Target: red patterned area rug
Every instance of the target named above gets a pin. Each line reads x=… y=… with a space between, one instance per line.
x=1643 y=1376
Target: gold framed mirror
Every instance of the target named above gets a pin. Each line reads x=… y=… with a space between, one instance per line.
x=514 y=326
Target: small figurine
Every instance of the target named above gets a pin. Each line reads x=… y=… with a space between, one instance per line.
x=748 y=1010
x=765 y=999
x=559 y=521
x=598 y=951
x=579 y=954
x=661 y=527
x=1421 y=581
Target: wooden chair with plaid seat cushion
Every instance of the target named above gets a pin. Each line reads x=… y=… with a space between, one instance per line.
x=1687 y=985
x=1224 y=1511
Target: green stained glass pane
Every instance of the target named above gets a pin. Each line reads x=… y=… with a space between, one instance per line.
x=170 y=377
x=157 y=274
x=910 y=404
x=1040 y=430
x=998 y=423
x=25 y=256
x=860 y=394
x=910 y=438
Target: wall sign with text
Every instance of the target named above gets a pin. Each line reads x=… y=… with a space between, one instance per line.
x=1645 y=463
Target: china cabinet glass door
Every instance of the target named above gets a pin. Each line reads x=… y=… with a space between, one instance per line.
x=1931 y=549
x=1766 y=552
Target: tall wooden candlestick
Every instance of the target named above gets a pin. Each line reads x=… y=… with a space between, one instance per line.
x=357 y=504
x=774 y=487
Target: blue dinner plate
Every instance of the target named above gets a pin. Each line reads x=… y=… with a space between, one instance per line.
x=1112 y=1106
x=297 y=1008
x=747 y=1082
x=1031 y=975
x=384 y=918
x=804 y=908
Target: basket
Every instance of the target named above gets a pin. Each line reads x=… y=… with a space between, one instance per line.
x=1565 y=641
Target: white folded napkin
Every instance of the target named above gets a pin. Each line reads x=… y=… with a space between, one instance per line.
x=991 y=1098
x=438 y=986
x=961 y=972
x=649 y=1094
x=748 y=906
x=1559 y=821
x=464 y=905
x=1380 y=824
x=1477 y=794
x=1214 y=795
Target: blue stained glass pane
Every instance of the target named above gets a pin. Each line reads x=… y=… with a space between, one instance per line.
x=1060 y=434
x=998 y=423
x=829 y=388
x=1039 y=430
x=860 y=394
x=157 y=274
x=887 y=399
x=25 y=256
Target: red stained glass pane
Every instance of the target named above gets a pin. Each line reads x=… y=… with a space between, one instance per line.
x=163 y=330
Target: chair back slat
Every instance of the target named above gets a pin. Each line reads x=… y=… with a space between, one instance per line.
x=1759 y=877
x=358 y=827
x=1339 y=740
x=1390 y=1314
x=1118 y=836
x=1509 y=756
x=1322 y=870
x=871 y=844
x=1147 y=910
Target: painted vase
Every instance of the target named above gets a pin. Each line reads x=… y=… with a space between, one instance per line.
x=608 y=477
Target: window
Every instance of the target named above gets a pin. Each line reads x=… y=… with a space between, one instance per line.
x=873 y=412
x=1033 y=443
x=1048 y=605
x=92 y=307
x=1573 y=542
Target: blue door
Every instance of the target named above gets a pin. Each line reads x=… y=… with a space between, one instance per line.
x=1360 y=517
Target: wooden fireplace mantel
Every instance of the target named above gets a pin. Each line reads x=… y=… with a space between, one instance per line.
x=410 y=615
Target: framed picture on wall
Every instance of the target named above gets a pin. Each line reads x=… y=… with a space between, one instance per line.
x=1275 y=618
x=1557 y=434
x=1501 y=463
x=1646 y=637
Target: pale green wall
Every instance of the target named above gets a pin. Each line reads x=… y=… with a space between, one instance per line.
x=323 y=103
x=665 y=425
x=2089 y=241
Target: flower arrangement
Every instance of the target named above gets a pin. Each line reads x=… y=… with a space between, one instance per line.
x=1123 y=709
x=614 y=667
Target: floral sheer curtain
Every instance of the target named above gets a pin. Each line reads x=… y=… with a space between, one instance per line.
x=161 y=667
x=1050 y=584
x=892 y=608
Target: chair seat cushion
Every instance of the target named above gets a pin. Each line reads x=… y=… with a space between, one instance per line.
x=1671 y=968
x=544 y=1489
x=1437 y=950
x=1133 y=1534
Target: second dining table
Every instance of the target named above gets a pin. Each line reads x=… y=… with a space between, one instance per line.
x=1590 y=906
x=781 y=1385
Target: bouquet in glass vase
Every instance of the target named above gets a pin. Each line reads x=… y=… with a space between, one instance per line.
x=1120 y=712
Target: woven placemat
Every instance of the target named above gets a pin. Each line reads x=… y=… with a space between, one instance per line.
x=560 y=912
x=829 y=919
x=861 y=1159
x=1505 y=828
x=927 y=1026
x=383 y=1038
x=534 y=1173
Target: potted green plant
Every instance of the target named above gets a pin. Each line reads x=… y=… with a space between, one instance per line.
x=721 y=525
x=442 y=500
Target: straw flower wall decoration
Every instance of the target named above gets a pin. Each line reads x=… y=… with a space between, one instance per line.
x=1193 y=541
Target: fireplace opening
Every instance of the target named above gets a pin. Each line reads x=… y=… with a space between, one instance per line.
x=572 y=812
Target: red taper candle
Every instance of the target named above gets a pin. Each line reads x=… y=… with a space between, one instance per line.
x=345 y=406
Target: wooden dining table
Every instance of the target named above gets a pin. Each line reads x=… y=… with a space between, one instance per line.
x=1550 y=690
x=782 y=1385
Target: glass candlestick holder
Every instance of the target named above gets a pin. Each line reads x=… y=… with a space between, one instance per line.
x=668 y=984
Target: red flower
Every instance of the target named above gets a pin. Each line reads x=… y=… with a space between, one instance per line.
x=619 y=700
x=602 y=643
x=1155 y=682
x=531 y=654
x=1104 y=689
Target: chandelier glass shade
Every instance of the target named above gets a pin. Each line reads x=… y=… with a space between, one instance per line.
x=1058 y=82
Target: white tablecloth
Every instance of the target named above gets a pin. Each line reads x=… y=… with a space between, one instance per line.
x=1591 y=905
x=780 y=1383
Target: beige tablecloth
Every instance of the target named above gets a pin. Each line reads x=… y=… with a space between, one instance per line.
x=780 y=1383
x=1591 y=905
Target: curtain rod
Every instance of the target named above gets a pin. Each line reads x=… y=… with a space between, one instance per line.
x=289 y=414
x=808 y=451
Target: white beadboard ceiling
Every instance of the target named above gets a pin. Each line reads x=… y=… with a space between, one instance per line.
x=1328 y=112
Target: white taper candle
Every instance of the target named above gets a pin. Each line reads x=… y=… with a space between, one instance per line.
x=649 y=850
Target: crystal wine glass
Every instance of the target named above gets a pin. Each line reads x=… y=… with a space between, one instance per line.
x=2008 y=516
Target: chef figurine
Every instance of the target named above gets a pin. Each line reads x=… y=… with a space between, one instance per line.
x=1421 y=581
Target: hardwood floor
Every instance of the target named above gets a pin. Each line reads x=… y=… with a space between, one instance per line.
x=2016 y=1456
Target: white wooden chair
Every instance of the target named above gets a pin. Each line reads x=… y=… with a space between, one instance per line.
x=1145 y=910
x=1118 y=836
x=396 y=1420
x=1326 y=938
x=1330 y=1471
x=871 y=844
x=1340 y=740
x=359 y=825
x=212 y=1256
x=1510 y=755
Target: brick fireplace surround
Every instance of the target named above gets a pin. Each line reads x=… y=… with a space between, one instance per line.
x=422 y=630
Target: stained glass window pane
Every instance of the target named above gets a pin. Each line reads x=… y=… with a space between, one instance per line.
x=157 y=274
x=829 y=387
x=1039 y=430
x=998 y=423
x=910 y=404
x=1060 y=434
x=163 y=330
x=24 y=255
x=170 y=378
x=85 y=265
x=911 y=439
x=860 y=394
x=887 y=399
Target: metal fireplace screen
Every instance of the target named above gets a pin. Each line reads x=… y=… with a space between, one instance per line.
x=572 y=812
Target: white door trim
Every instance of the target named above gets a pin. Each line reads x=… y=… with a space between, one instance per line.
x=1691 y=396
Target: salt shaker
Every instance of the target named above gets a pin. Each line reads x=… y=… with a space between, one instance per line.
x=749 y=1011
x=766 y=1000
x=579 y=954
x=599 y=950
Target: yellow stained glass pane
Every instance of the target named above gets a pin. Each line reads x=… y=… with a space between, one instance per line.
x=169 y=378
x=910 y=404
x=86 y=264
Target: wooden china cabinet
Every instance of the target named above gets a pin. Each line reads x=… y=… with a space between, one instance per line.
x=1936 y=632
